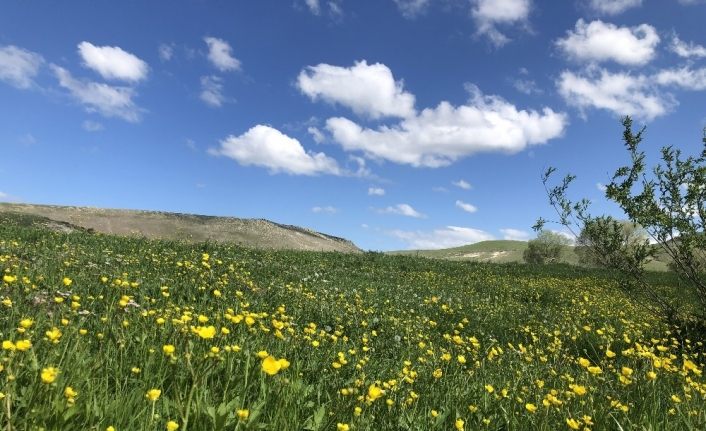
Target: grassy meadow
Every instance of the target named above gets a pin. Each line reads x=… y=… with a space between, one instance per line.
x=106 y=333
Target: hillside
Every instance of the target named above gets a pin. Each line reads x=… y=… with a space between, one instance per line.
x=504 y=251
x=498 y=251
x=103 y=332
x=257 y=233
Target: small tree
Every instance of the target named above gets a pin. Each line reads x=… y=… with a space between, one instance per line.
x=546 y=248
x=589 y=255
x=669 y=203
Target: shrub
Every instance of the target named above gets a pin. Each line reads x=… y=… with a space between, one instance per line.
x=669 y=202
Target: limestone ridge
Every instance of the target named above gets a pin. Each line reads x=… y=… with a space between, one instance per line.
x=259 y=233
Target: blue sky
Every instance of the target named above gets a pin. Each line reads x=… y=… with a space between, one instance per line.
x=394 y=123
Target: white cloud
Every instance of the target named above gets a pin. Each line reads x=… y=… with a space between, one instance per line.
x=685 y=77
x=19 y=67
x=104 y=99
x=403 y=210
x=212 y=91
x=112 y=62
x=92 y=126
x=598 y=41
x=368 y=90
x=439 y=136
x=412 y=8
x=613 y=7
x=488 y=14
x=314 y=6
x=268 y=147
x=221 y=54
x=376 y=191
x=335 y=8
x=602 y=187
x=166 y=51
x=526 y=86
x=324 y=210
x=440 y=189
x=316 y=134
x=620 y=93
x=451 y=236
x=466 y=207
x=687 y=50
x=515 y=234
x=462 y=184
x=4 y=195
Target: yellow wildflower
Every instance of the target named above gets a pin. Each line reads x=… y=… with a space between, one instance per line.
x=49 y=375
x=153 y=394
x=271 y=366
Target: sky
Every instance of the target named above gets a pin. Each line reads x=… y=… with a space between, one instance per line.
x=397 y=124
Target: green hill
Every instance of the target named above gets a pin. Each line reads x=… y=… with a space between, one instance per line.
x=505 y=251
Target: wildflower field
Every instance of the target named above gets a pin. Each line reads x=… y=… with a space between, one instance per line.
x=107 y=333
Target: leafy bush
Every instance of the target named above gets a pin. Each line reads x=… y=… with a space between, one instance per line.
x=546 y=248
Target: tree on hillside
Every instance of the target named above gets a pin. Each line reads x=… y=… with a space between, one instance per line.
x=669 y=202
x=588 y=254
x=546 y=248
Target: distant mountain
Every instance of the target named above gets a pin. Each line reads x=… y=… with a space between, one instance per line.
x=503 y=251
x=257 y=233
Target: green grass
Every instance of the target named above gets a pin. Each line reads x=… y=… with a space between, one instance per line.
x=432 y=335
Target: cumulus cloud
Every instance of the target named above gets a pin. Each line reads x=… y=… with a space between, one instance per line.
x=267 y=147
x=212 y=91
x=515 y=234
x=685 y=77
x=19 y=67
x=463 y=184
x=613 y=7
x=450 y=236
x=439 y=136
x=92 y=126
x=107 y=100
x=598 y=42
x=376 y=191
x=220 y=54
x=620 y=93
x=687 y=49
x=324 y=210
x=112 y=62
x=403 y=210
x=412 y=8
x=466 y=207
x=368 y=89
x=489 y=14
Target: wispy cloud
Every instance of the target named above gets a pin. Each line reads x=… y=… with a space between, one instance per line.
x=403 y=210
x=466 y=207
